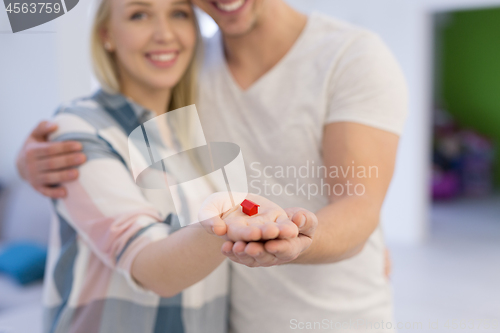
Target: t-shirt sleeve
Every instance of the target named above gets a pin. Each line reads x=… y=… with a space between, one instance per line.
x=367 y=86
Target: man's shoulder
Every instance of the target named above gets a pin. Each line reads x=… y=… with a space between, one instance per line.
x=339 y=35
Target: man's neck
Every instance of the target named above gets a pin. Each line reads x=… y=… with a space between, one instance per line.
x=253 y=54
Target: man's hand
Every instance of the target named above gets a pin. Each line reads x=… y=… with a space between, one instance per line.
x=276 y=251
x=47 y=164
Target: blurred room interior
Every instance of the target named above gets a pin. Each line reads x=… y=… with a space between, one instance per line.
x=442 y=214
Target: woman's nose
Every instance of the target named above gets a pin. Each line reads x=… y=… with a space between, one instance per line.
x=163 y=32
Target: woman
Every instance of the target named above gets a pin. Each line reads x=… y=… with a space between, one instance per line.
x=115 y=262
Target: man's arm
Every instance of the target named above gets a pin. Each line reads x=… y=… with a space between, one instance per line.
x=46 y=165
x=347 y=222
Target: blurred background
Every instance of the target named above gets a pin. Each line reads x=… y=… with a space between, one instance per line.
x=442 y=214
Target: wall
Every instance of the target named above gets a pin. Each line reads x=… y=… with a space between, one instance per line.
x=28 y=92
x=470 y=71
x=39 y=68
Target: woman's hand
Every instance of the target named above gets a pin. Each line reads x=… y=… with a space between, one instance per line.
x=274 y=236
x=277 y=251
x=45 y=164
x=220 y=218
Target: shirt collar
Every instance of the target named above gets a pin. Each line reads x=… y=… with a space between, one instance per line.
x=116 y=101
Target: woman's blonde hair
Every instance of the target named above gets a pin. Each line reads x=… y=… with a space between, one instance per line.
x=106 y=70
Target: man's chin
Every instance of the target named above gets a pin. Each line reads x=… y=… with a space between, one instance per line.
x=236 y=29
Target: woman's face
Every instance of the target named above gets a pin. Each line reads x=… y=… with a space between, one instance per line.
x=153 y=41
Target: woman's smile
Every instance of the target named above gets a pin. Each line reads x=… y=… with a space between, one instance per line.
x=162 y=58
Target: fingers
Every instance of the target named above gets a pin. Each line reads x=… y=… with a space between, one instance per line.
x=270 y=230
x=306 y=221
x=238 y=228
x=211 y=210
x=44 y=166
x=250 y=254
x=215 y=226
x=56 y=177
x=258 y=252
x=52 y=192
x=287 y=250
x=48 y=149
x=284 y=249
x=266 y=222
x=61 y=162
x=260 y=227
x=236 y=252
x=270 y=253
x=287 y=228
x=42 y=130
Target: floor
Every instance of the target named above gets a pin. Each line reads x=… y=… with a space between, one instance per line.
x=455 y=274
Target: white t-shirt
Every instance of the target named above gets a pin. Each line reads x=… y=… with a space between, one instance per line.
x=334 y=72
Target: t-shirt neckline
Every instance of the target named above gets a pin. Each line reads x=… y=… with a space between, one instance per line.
x=276 y=67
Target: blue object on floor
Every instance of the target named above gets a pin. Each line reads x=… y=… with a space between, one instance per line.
x=23 y=261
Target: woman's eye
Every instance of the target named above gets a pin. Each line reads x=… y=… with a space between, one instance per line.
x=138 y=16
x=180 y=14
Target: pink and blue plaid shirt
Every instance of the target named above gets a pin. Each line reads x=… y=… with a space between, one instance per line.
x=101 y=226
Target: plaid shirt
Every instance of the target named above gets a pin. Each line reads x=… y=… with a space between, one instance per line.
x=103 y=224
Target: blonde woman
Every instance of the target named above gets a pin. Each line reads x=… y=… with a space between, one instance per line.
x=115 y=263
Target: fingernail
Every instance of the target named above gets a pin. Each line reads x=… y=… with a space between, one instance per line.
x=213 y=230
x=302 y=221
x=73 y=173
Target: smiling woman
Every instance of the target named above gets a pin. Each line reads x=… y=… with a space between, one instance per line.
x=147 y=47
x=113 y=247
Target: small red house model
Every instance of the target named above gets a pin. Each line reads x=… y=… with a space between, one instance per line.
x=249 y=207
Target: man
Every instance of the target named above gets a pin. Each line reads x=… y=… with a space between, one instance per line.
x=317 y=107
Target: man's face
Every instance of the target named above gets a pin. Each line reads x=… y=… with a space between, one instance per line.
x=234 y=17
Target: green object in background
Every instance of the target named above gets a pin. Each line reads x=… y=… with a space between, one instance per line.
x=469 y=71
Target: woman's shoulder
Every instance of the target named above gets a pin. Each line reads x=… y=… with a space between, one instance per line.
x=82 y=115
x=84 y=107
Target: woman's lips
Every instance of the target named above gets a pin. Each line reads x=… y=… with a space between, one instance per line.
x=162 y=59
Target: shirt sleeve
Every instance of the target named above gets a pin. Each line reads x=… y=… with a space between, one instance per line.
x=367 y=86
x=104 y=205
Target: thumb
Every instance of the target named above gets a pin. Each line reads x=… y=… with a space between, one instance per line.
x=306 y=221
x=210 y=213
x=43 y=129
x=214 y=226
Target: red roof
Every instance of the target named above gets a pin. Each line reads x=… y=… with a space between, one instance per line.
x=248 y=204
